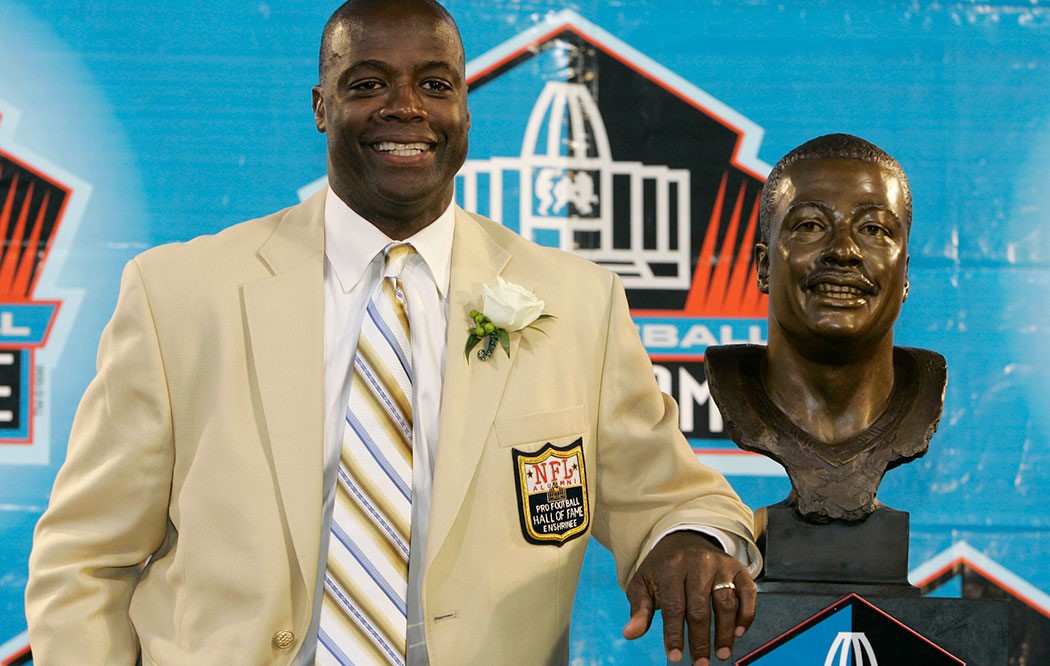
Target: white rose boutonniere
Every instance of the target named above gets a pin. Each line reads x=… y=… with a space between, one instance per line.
x=506 y=308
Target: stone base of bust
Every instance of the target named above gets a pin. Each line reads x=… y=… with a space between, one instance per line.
x=870 y=557
x=972 y=630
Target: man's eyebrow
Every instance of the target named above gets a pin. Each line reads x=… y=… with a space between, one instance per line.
x=368 y=64
x=438 y=64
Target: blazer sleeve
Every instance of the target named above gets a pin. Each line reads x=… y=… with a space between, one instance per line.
x=108 y=511
x=649 y=480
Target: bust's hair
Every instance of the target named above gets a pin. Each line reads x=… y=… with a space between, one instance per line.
x=831 y=146
x=349 y=9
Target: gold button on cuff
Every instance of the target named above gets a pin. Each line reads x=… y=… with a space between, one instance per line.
x=283 y=640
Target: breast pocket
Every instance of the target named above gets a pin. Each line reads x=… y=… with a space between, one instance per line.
x=559 y=426
x=550 y=473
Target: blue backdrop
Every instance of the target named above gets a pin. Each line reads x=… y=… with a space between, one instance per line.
x=162 y=122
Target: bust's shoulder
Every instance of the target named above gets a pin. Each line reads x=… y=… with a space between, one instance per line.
x=928 y=373
x=734 y=359
x=929 y=367
x=734 y=380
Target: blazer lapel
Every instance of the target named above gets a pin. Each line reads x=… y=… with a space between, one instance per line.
x=470 y=395
x=285 y=320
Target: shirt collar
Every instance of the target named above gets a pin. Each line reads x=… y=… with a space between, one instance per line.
x=351 y=242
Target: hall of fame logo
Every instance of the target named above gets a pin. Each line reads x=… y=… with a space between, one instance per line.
x=596 y=149
x=552 y=493
x=37 y=201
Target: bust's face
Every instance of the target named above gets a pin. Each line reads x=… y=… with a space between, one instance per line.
x=836 y=268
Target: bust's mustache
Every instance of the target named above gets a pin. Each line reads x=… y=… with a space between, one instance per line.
x=838 y=277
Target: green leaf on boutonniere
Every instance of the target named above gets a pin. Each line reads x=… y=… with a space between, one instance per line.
x=504 y=340
x=472 y=341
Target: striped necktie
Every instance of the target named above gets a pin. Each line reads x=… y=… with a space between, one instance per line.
x=364 y=614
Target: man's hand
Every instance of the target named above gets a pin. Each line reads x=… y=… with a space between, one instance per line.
x=685 y=576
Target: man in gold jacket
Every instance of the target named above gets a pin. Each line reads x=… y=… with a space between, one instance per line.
x=189 y=522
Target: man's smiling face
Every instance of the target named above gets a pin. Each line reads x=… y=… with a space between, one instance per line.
x=836 y=267
x=393 y=102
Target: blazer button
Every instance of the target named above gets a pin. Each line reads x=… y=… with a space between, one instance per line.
x=283 y=640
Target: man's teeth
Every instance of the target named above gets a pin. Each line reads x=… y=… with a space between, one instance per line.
x=837 y=290
x=402 y=149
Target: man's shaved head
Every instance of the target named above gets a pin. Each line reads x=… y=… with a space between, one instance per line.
x=353 y=10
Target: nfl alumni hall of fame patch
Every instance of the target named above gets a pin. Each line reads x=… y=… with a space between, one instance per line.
x=552 y=489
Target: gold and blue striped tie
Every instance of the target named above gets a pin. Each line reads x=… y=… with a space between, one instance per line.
x=364 y=613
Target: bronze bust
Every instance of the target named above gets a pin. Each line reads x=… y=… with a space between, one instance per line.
x=830 y=398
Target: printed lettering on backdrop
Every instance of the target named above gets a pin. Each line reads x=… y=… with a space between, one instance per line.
x=40 y=207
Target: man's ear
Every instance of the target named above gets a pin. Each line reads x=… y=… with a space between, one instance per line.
x=762 y=266
x=318 y=101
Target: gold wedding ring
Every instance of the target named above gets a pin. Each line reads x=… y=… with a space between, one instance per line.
x=723 y=586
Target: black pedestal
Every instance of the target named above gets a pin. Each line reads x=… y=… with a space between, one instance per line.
x=867 y=558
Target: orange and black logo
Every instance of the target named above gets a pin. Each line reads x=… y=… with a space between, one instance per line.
x=31 y=209
x=582 y=143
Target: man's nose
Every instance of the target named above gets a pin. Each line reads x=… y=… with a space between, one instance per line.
x=403 y=103
x=842 y=247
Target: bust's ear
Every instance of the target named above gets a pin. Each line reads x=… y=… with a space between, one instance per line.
x=762 y=266
x=907 y=283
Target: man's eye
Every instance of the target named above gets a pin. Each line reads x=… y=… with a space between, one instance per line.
x=365 y=86
x=808 y=226
x=436 y=86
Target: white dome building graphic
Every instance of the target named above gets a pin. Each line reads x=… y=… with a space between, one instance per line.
x=567 y=183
